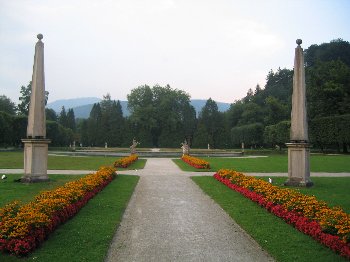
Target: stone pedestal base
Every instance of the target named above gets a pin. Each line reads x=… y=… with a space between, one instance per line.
x=35 y=160
x=298 y=165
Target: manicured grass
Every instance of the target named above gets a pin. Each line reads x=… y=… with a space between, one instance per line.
x=281 y=240
x=11 y=190
x=273 y=163
x=88 y=235
x=15 y=160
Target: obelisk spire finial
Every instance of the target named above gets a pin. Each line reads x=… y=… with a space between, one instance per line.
x=299 y=41
x=40 y=36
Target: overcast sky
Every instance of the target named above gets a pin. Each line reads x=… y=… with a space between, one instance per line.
x=208 y=48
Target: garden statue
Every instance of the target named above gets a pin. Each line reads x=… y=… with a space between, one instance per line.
x=185 y=148
x=133 y=146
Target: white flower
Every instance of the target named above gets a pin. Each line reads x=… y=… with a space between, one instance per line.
x=3 y=177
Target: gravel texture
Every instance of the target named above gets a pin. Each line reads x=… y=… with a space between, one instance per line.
x=170 y=219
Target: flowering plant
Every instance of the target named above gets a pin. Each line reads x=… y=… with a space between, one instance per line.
x=126 y=161
x=330 y=226
x=195 y=162
x=24 y=226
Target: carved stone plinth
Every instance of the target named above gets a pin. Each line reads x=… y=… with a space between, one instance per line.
x=35 y=160
x=298 y=165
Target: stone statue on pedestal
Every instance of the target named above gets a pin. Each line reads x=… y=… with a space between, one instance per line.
x=133 y=146
x=185 y=148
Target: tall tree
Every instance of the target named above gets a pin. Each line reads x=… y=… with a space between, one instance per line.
x=71 y=119
x=116 y=123
x=7 y=106
x=95 y=132
x=159 y=115
x=337 y=49
x=50 y=114
x=328 y=89
x=63 y=117
x=212 y=120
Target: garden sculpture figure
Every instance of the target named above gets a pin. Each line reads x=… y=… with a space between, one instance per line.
x=133 y=146
x=185 y=148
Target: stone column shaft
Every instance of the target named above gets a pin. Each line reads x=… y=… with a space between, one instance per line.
x=36 y=117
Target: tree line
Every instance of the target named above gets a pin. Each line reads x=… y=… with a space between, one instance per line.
x=163 y=116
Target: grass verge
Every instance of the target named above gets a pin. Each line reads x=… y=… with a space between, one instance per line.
x=11 y=190
x=15 y=160
x=87 y=236
x=279 y=239
x=273 y=163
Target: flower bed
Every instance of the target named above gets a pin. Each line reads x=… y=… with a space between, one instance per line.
x=126 y=161
x=25 y=227
x=195 y=162
x=329 y=226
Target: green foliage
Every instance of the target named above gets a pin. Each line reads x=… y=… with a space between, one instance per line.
x=250 y=135
x=23 y=106
x=277 y=134
x=328 y=89
x=59 y=135
x=336 y=49
x=328 y=131
x=7 y=106
x=50 y=114
x=211 y=125
x=161 y=116
x=6 y=132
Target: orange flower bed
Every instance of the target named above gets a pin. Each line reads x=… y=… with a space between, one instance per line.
x=23 y=227
x=328 y=225
x=195 y=162
x=126 y=161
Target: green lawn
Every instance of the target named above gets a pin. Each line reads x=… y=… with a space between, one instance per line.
x=278 y=238
x=11 y=190
x=15 y=160
x=87 y=236
x=273 y=163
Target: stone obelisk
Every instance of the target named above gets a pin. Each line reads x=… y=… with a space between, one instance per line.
x=298 y=147
x=36 y=144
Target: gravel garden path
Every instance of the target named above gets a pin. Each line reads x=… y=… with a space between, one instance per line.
x=169 y=218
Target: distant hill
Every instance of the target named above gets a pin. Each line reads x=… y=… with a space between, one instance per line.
x=84 y=111
x=82 y=106
x=198 y=104
x=72 y=103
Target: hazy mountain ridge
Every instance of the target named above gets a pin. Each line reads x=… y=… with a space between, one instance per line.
x=83 y=106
